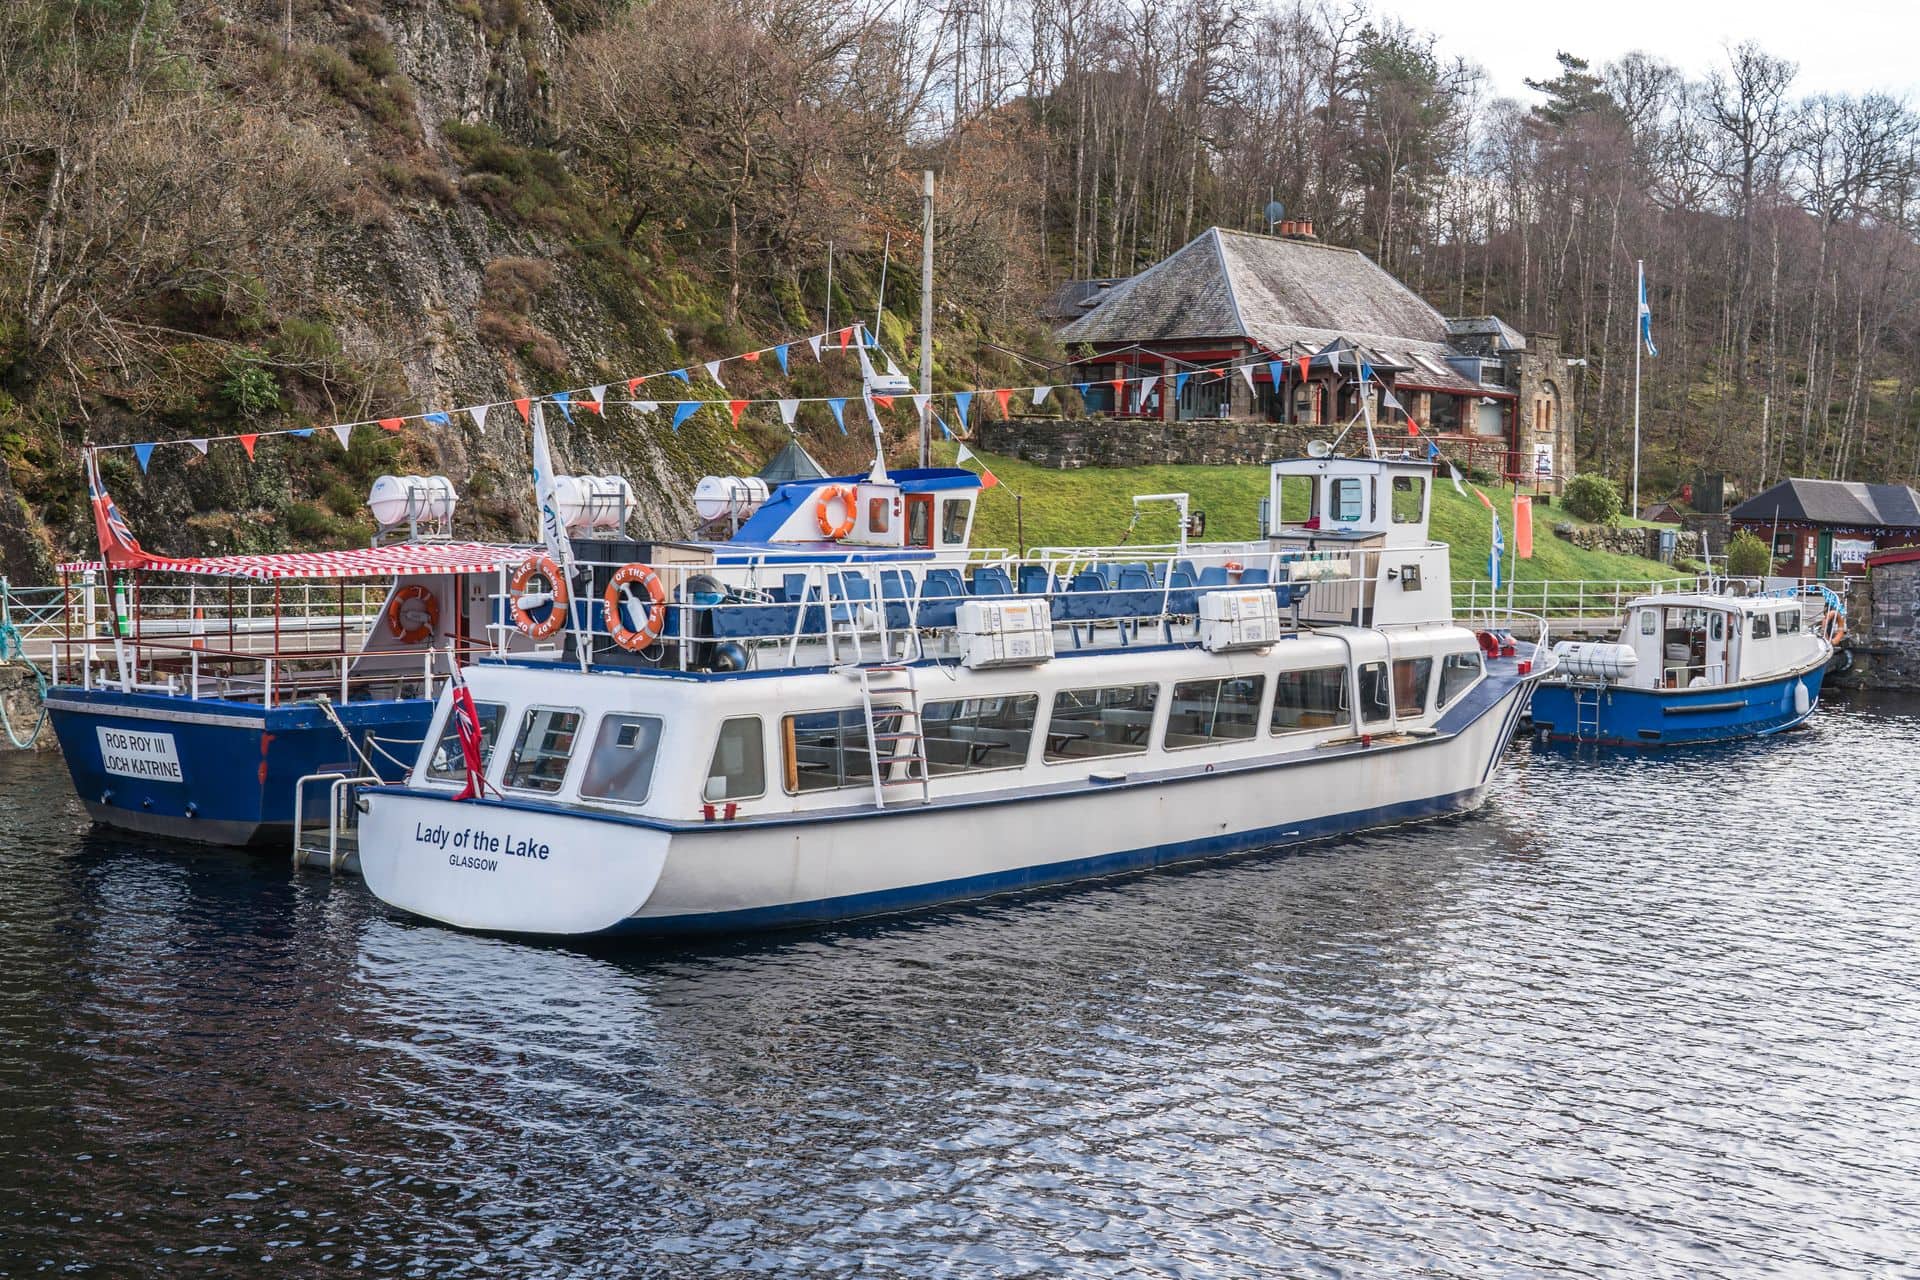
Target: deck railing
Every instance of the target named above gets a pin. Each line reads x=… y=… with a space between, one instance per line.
x=1562 y=600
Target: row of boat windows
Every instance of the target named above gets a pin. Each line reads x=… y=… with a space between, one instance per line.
x=1763 y=625
x=828 y=750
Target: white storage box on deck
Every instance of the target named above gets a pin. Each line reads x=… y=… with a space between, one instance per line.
x=1596 y=661
x=1004 y=633
x=1238 y=620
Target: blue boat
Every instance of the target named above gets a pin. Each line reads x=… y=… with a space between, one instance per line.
x=1690 y=668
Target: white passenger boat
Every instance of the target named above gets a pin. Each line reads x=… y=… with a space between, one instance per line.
x=843 y=711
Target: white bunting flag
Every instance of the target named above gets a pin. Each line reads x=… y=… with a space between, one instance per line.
x=201 y=445
x=1039 y=394
x=1454 y=473
x=814 y=342
x=788 y=408
x=341 y=433
x=920 y=404
x=598 y=393
x=1246 y=371
x=964 y=455
x=647 y=406
x=713 y=371
x=479 y=415
x=1390 y=400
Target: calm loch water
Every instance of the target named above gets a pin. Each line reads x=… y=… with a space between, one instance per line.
x=1641 y=1016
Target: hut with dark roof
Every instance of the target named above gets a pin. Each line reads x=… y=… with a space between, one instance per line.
x=1231 y=298
x=1822 y=527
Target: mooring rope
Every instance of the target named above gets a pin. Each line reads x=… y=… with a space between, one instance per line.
x=14 y=649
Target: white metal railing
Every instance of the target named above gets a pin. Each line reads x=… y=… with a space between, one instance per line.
x=1562 y=599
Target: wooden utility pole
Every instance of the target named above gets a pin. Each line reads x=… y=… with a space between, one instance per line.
x=926 y=316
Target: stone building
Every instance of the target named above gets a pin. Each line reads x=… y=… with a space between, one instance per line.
x=1500 y=400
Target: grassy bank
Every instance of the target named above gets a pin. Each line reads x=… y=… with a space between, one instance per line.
x=1094 y=506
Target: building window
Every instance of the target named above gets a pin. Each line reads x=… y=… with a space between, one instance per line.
x=448 y=763
x=828 y=749
x=1204 y=396
x=1315 y=699
x=1411 y=676
x=1446 y=414
x=621 y=766
x=546 y=745
x=1090 y=723
x=972 y=735
x=1209 y=711
x=738 y=770
x=1458 y=672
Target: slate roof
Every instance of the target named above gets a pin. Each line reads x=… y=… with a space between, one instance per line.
x=1076 y=297
x=1839 y=502
x=1286 y=294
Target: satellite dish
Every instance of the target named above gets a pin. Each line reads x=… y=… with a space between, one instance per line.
x=1319 y=449
x=1275 y=211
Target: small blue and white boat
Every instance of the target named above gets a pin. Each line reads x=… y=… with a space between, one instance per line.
x=758 y=733
x=1689 y=668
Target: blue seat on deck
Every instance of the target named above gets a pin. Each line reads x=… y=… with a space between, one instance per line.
x=1085 y=597
x=940 y=597
x=898 y=588
x=1186 y=567
x=1181 y=597
x=1254 y=578
x=1137 y=596
x=1213 y=575
x=740 y=621
x=991 y=580
x=1034 y=580
x=796 y=588
x=1109 y=574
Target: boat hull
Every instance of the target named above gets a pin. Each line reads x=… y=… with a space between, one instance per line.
x=519 y=867
x=212 y=771
x=1676 y=717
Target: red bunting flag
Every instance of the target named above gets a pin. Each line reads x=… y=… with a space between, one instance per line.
x=591 y=406
x=525 y=406
x=1221 y=372
x=736 y=408
x=1413 y=428
x=1118 y=395
x=1003 y=396
x=751 y=356
x=1306 y=362
x=247 y=442
x=392 y=424
x=844 y=335
x=988 y=480
x=633 y=387
x=885 y=402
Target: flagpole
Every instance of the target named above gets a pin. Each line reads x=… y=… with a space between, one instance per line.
x=1639 y=325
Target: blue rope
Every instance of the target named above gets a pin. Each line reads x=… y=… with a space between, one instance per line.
x=13 y=649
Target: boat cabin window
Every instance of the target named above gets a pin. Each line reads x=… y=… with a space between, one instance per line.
x=1717 y=625
x=954 y=513
x=545 y=746
x=1297 y=499
x=738 y=770
x=1347 y=499
x=1315 y=699
x=1090 y=723
x=621 y=766
x=1374 y=696
x=1788 y=624
x=1648 y=622
x=448 y=764
x=1209 y=711
x=1458 y=672
x=1411 y=678
x=972 y=735
x=828 y=749
x=919 y=522
x=879 y=514
x=1409 y=499
x=1762 y=626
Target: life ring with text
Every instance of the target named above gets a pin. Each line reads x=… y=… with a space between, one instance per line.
x=1834 y=627
x=652 y=622
x=848 y=499
x=540 y=567
x=413 y=614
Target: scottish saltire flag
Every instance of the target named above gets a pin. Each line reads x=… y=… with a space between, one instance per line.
x=1646 y=312
x=1497 y=552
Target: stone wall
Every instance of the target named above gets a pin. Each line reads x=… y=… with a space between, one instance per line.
x=1883 y=630
x=1067 y=444
x=1630 y=541
x=21 y=697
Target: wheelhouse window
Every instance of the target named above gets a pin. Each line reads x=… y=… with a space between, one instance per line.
x=1788 y=624
x=449 y=764
x=879 y=514
x=1411 y=677
x=1458 y=672
x=621 y=766
x=919 y=523
x=1296 y=499
x=1204 y=712
x=826 y=750
x=1347 y=499
x=1762 y=626
x=1091 y=723
x=738 y=770
x=1409 y=499
x=1375 y=704
x=1648 y=622
x=954 y=514
x=973 y=735
x=545 y=746
x=1315 y=699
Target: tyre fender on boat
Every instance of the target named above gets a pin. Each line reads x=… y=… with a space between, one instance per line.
x=413 y=614
x=848 y=500
x=559 y=597
x=652 y=622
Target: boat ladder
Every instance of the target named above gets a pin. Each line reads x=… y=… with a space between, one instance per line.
x=896 y=747
x=1586 y=712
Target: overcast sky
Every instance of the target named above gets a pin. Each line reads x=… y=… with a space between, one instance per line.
x=1840 y=45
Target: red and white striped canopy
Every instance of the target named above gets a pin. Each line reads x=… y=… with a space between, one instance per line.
x=360 y=562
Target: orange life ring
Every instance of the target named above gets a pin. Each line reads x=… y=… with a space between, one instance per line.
x=849 y=501
x=655 y=620
x=1234 y=567
x=413 y=614
x=544 y=567
x=1834 y=627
